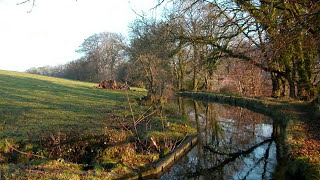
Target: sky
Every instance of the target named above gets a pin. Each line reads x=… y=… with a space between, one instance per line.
x=54 y=29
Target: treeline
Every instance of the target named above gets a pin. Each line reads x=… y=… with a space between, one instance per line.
x=103 y=57
x=245 y=47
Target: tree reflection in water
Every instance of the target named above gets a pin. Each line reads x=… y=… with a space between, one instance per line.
x=233 y=143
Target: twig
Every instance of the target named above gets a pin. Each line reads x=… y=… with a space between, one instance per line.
x=28 y=154
x=144 y=113
x=26 y=1
x=133 y=119
x=140 y=119
x=155 y=144
x=23 y=2
x=129 y=105
x=180 y=142
x=141 y=16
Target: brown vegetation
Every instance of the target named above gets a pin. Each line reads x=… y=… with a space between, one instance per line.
x=112 y=84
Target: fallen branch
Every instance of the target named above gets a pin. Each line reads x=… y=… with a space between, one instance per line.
x=21 y=152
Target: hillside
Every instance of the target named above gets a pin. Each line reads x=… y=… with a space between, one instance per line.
x=54 y=124
x=59 y=128
x=31 y=105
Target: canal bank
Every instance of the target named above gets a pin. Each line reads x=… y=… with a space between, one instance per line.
x=164 y=164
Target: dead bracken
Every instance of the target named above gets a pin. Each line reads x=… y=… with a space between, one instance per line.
x=112 y=84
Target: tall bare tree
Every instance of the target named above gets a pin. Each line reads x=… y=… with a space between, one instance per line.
x=106 y=50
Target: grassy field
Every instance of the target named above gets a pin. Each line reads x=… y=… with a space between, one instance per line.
x=59 y=128
x=33 y=104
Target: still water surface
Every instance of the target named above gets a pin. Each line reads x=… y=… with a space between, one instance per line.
x=233 y=143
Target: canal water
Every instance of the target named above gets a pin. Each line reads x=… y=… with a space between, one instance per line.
x=233 y=143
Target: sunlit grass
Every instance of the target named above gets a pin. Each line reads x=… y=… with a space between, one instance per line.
x=72 y=121
x=33 y=104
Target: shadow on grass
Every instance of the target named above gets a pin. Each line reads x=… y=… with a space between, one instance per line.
x=25 y=85
x=29 y=106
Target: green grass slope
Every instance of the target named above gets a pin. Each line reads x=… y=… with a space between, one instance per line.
x=31 y=105
x=52 y=128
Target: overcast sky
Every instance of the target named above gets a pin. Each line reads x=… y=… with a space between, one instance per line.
x=51 y=33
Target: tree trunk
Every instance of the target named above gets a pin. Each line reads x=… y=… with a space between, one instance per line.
x=195 y=80
x=276 y=85
x=316 y=104
x=178 y=77
x=182 y=68
x=284 y=87
x=290 y=76
x=207 y=82
x=292 y=87
x=304 y=69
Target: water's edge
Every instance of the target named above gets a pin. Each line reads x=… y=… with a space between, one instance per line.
x=164 y=164
x=248 y=103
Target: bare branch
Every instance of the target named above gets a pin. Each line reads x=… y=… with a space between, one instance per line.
x=21 y=152
x=27 y=1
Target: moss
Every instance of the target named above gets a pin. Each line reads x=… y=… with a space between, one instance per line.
x=3 y=147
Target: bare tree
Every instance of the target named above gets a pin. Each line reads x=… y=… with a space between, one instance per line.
x=106 y=51
x=152 y=50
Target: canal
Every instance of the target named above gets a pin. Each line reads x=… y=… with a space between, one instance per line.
x=233 y=143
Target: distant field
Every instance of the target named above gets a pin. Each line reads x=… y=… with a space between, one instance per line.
x=31 y=105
